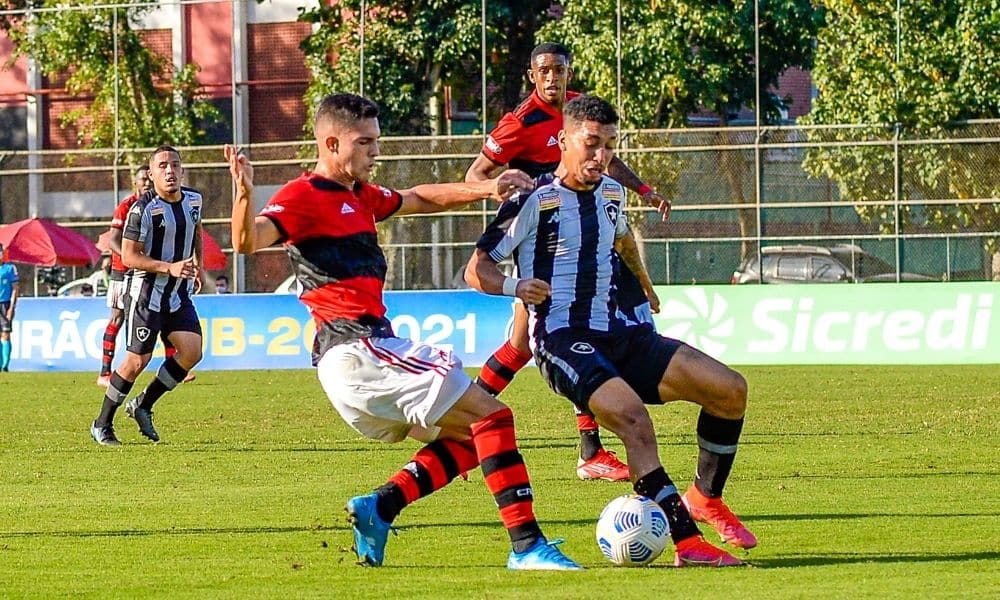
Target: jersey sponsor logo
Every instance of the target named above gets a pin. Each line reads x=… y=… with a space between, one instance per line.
x=157 y=211
x=612 y=211
x=493 y=145
x=142 y=333
x=196 y=202
x=273 y=208
x=582 y=348
x=554 y=218
x=552 y=141
x=385 y=191
x=549 y=200
x=611 y=191
x=346 y=209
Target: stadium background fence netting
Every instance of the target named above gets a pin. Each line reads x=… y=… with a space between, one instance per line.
x=735 y=189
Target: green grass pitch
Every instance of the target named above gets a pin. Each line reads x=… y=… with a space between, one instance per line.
x=859 y=481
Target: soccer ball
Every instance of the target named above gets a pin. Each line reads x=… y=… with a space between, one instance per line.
x=632 y=531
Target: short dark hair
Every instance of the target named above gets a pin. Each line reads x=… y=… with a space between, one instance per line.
x=345 y=109
x=142 y=168
x=218 y=277
x=163 y=148
x=590 y=108
x=551 y=48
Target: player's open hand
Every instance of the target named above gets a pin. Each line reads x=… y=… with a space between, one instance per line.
x=511 y=182
x=240 y=168
x=654 y=198
x=184 y=269
x=654 y=300
x=533 y=291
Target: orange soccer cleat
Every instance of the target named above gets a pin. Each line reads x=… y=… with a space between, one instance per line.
x=714 y=512
x=696 y=552
x=603 y=465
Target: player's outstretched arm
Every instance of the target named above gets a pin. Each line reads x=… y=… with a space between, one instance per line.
x=483 y=273
x=438 y=197
x=628 y=249
x=481 y=169
x=624 y=175
x=249 y=234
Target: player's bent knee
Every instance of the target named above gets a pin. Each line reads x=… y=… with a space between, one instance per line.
x=734 y=400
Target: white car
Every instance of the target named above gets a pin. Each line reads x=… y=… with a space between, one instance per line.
x=288 y=286
x=74 y=288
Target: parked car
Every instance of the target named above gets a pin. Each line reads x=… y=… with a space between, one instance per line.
x=288 y=286
x=819 y=264
x=76 y=288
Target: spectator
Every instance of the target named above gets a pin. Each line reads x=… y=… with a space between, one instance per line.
x=222 y=284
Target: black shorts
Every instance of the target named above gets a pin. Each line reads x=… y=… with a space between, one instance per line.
x=5 y=325
x=575 y=362
x=143 y=325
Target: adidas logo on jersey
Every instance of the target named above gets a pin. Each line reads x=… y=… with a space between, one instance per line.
x=346 y=209
x=552 y=141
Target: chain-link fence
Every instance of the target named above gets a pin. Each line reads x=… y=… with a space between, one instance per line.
x=922 y=206
x=734 y=191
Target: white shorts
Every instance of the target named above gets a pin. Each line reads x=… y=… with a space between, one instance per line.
x=116 y=294
x=384 y=387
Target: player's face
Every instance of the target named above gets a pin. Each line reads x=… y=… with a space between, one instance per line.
x=587 y=149
x=166 y=172
x=551 y=74
x=355 y=148
x=141 y=182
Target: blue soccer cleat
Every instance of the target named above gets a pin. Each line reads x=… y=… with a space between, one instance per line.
x=370 y=531
x=542 y=556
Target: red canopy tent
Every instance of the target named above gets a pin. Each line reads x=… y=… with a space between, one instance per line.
x=43 y=243
x=213 y=259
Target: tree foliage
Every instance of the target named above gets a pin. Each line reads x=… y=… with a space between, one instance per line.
x=412 y=49
x=680 y=57
x=946 y=72
x=155 y=104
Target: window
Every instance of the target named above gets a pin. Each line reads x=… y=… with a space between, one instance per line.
x=827 y=270
x=792 y=267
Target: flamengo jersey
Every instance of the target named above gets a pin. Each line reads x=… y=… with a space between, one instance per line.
x=118 y=222
x=527 y=138
x=166 y=230
x=564 y=237
x=329 y=234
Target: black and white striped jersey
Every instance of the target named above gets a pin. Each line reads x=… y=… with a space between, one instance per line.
x=564 y=237
x=166 y=230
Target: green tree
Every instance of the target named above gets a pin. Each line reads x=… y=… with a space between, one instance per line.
x=946 y=72
x=684 y=56
x=155 y=103
x=412 y=49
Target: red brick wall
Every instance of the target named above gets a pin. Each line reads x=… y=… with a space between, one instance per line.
x=209 y=45
x=277 y=110
x=798 y=84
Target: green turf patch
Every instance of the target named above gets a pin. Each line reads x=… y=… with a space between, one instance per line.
x=859 y=481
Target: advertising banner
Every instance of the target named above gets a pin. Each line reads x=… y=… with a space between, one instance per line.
x=254 y=331
x=875 y=323
x=910 y=323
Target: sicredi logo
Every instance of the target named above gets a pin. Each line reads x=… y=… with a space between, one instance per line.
x=699 y=320
x=800 y=326
x=796 y=326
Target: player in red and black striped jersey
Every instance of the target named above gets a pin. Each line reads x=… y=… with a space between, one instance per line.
x=527 y=138
x=386 y=387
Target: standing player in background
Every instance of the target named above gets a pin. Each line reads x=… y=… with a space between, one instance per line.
x=116 y=286
x=8 y=303
x=161 y=244
x=562 y=236
x=385 y=387
x=527 y=139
